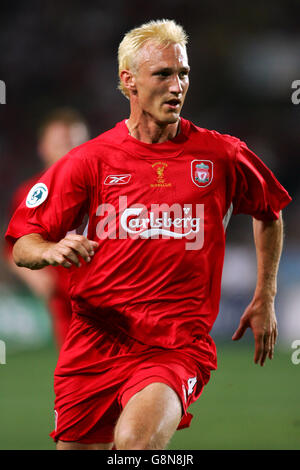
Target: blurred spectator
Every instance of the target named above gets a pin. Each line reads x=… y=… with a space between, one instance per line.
x=62 y=130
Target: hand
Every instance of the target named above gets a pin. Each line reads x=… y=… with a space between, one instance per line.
x=67 y=251
x=260 y=317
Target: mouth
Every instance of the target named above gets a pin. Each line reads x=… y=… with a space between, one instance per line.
x=173 y=103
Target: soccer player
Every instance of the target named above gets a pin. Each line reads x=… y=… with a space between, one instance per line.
x=145 y=282
x=60 y=131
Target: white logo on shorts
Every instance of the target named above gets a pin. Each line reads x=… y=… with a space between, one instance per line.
x=191 y=385
x=37 y=195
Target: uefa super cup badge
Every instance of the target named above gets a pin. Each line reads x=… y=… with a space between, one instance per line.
x=202 y=172
x=37 y=195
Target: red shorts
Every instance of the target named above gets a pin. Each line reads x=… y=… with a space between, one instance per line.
x=99 y=371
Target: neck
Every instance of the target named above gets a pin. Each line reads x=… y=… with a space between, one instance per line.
x=151 y=132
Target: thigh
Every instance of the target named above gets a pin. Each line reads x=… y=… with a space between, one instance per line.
x=149 y=419
x=64 y=445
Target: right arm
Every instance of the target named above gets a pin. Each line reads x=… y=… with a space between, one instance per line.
x=34 y=252
x=68 y=184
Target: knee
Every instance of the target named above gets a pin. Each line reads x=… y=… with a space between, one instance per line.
x=130 y=438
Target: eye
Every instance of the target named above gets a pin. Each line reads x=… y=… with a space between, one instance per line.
x=163 y=73
x=183 y=74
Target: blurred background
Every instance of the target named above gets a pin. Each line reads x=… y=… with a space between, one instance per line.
x=244 y=57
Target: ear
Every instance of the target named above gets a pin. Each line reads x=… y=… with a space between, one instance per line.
x=128 y=80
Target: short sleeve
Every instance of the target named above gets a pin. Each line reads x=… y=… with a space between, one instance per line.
x=64 y=196
x=257 y=191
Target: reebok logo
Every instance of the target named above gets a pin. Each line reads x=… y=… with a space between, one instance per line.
x=117 y=179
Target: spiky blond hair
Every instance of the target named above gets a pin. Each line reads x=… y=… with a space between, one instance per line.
x=162 y=32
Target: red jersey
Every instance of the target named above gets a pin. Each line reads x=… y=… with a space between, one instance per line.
x=159 y=213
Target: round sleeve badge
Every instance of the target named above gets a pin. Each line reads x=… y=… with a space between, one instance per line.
x=37 y=195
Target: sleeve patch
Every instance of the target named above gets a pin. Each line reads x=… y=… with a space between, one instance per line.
x=37 y=195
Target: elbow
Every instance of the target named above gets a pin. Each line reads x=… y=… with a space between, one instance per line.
x=17 y=260
x=26 y=252
x=19 y=264
x=17 y=255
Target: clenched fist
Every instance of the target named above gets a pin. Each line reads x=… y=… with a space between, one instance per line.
x=69 y=250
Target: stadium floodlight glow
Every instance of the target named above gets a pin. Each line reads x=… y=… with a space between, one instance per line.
x=2 y=92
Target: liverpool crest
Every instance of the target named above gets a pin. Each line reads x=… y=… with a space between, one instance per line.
x=202 y=172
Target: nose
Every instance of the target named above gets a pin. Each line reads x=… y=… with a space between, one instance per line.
x=176 y=85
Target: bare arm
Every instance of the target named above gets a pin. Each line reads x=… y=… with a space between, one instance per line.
x=260 y=314
x=33 y=252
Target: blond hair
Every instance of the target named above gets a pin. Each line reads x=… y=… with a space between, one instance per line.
x=163 y=32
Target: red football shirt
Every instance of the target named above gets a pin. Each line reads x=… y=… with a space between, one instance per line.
x=159 y=213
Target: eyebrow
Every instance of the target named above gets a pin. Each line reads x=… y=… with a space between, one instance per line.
x=170 y=70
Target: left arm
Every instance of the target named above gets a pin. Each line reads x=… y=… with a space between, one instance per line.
x=260 y=313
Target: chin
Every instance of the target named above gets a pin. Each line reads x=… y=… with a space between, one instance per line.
x=171 y=118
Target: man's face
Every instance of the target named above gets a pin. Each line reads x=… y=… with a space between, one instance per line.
x=59 y=138
x=162 y=81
